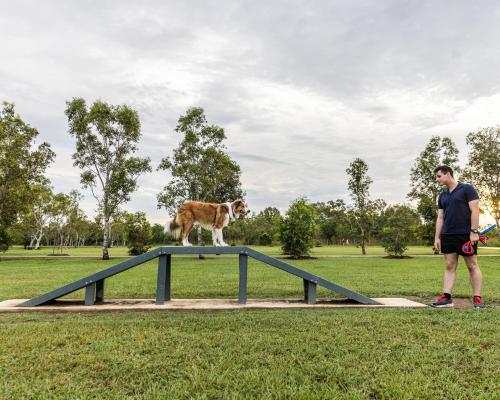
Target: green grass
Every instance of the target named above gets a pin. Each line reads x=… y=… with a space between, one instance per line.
x=317 y=354
x=268 y=354
x=217 y=277
x=323 y=251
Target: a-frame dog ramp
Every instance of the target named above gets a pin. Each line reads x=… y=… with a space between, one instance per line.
x=94 y=284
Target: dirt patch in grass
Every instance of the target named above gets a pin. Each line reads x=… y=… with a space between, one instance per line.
x=458 y=302
x=300 y=258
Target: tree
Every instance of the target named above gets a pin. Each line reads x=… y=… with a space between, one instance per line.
x=400 y=224
x=138 y=233
x=38 y=217
x=266 y=224
x=106 y=138
x=243 y=230
x=298 y=228
x=483 y=168
x=333 y=221
x=158 y=234
x=359 y=188
x=118 y=228
x=21 y=167
x=82 y=230
x=200 y=168
x=424 y=189
x=64 y=212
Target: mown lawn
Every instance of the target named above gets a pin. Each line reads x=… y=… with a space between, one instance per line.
x=322 y=251
x=268 y=354
x=217 y=277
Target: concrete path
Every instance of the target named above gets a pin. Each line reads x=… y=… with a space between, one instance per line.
x=199 y=304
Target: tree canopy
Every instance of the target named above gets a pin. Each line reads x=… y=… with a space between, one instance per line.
x=200 y=168
x=106 y=139
x=359 y=190
x=483 y=168
x=423 y=187
x=22 y=165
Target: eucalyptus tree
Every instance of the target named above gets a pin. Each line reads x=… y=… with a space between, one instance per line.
x=359 y=189
x=38 y=217
x=62 y=208
x=22 y=165
x=423 y=187
x=106 y=141
x=200 y=168
x=483 y=168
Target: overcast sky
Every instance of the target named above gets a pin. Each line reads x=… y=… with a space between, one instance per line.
x=300 y=87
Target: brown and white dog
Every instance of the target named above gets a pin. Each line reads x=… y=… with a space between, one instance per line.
x=211 y=216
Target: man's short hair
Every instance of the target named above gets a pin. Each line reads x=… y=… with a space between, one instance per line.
x=444 y=169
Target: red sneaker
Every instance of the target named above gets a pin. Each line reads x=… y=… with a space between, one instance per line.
x=478 y=303
x=442 y=302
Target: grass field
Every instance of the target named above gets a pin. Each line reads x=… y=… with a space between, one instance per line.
x=323 y=251
x=278 y=354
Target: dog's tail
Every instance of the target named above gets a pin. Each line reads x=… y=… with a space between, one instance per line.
x=174 y=228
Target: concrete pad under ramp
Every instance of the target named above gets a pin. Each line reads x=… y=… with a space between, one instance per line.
x=200 y=304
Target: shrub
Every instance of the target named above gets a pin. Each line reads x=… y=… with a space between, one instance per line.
x=139 y=233
x=298 y=228
x=400 y=225
x=265 y=239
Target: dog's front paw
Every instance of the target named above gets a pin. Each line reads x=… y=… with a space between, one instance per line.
x=224 y=244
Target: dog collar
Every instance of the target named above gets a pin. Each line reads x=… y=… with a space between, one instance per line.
x=231 y=214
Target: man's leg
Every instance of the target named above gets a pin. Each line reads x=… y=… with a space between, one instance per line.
x=476 y=277
x=450 y=271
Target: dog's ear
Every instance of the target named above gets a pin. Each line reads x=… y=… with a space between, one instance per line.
x=238 y=203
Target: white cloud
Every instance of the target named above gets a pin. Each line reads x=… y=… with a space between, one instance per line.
x=302 y=88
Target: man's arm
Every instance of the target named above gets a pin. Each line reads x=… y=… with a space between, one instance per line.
x=439 y=226
x=474 y=219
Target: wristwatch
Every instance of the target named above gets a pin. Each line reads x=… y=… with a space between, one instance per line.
x=475 y=230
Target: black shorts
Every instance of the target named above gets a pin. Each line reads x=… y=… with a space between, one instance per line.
x=453 y=244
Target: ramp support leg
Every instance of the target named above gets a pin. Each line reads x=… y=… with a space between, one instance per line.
x=242 y=298
x=309 y=292
x=163 y=287
x=90 y=294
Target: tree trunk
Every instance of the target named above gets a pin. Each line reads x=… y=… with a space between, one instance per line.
x=61 y=242
x=363 y=242
x=105 y=242
x=38 y=240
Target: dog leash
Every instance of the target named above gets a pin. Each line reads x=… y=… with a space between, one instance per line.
x=468 y=247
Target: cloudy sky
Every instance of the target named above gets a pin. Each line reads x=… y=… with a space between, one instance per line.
x=300 y=87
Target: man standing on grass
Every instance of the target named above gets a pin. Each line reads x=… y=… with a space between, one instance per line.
x=457 y=223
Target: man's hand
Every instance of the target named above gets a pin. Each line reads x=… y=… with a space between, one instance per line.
x=474 y=237
x=437 y=244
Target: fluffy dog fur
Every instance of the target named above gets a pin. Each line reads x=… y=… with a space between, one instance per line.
x=211 y=216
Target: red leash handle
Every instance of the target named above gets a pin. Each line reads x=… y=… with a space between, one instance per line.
x=468 y=247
